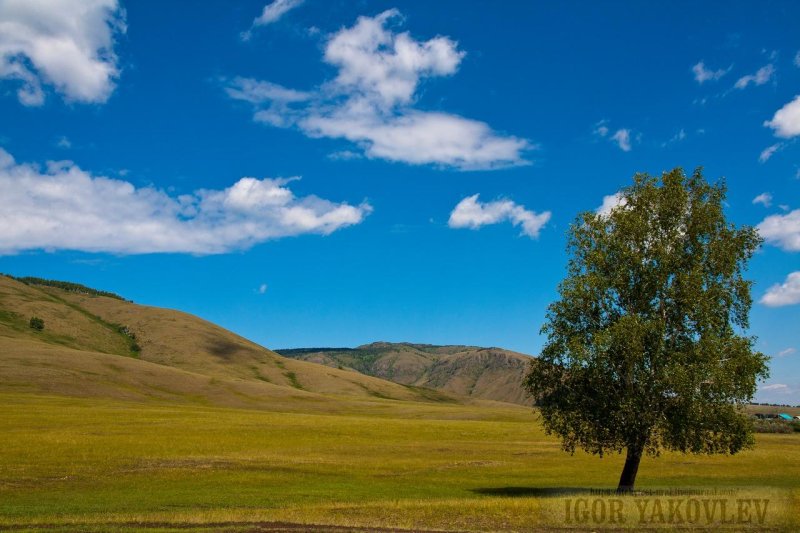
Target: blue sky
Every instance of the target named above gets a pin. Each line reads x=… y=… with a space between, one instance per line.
x=152 y=149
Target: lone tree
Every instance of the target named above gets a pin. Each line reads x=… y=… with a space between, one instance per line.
x=646 y=347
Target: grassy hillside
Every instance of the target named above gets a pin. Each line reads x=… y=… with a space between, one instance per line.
x=486 y=373
x=97 y=345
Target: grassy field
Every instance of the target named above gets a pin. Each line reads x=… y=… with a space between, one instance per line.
x=92 y=464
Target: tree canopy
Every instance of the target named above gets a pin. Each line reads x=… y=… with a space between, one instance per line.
x=646 y=347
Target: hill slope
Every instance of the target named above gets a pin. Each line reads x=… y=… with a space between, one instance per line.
x=486 y=373
x=96 y=345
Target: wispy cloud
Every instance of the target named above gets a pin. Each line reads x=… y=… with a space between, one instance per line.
x=775 y=387
x=703 y=74
x=782 y=294
x=67 y=44
x=371 y=102
x=787 y=351
x=762 y=76
x=678 y=137
x=67 y=208
x=262 y=288
x=623 y=139
x=764 y=199
x=472 y=213
x=271 y=13
x=769 y=151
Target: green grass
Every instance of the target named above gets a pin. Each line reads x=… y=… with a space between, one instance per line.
x=86 y=463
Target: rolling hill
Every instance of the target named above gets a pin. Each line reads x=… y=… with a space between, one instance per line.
x=100 y=345
x=486 y=373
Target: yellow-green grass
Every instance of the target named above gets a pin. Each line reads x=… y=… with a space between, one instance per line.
x=86 y=463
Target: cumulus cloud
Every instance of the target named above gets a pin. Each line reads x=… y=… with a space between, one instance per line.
x=371 y=101
x=787 y=351
x=67 y=44
x=610 y=202
x=703 y=74
x=762 y=76
x=786 y=121
x=764 y=199
x=66 y=208
x=472 y=213
x=786 y=293
x=272 y=13
x=782 y=230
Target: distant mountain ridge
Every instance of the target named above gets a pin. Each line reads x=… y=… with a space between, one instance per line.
x=485 y=373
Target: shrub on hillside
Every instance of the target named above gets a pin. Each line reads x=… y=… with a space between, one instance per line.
x=774 y=426
x=36 y=323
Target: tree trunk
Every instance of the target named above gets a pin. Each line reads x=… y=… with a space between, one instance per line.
x=628 y=477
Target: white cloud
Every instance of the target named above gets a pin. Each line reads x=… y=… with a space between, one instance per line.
x=68 y=44
x=703 y=74
x=271 y=13
x=610 y=202
x=678 y=137
x=623 y=139
x=797 y=59
x=786 y=121
x=277 y=104
x=762 y=76
x=274 y=11
x=769 y=151
x=262 y=288
x=782 y=230
x=786 y=293
x=764 y=199
x=371 y=101
x=777 y=387
x=787 y=351
x=67 y=208
x=601 y=128
x=64 y=142
x=471 y=213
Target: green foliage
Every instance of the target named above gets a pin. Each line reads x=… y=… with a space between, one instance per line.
x=128 y=332
x=646 y=347
x=67 y=286
x=36 y=323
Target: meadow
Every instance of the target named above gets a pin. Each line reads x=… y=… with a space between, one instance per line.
x=83 y=464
